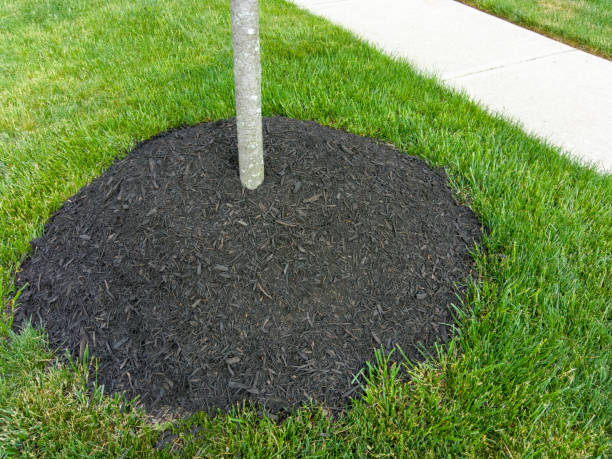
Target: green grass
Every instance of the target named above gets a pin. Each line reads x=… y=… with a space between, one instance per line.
x=586 y=24
x=81 y=82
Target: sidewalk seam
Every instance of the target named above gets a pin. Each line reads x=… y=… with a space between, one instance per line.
x=502 y=66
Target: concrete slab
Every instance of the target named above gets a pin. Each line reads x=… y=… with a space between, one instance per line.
x=566 y=98
x=439 y=36
x=552 y=89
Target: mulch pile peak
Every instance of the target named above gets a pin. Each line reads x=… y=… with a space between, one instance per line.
x=195 y=294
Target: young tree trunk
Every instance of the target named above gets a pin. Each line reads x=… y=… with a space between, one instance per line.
x=247 y=83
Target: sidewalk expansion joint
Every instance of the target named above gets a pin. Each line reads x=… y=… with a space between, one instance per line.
x=511 y=64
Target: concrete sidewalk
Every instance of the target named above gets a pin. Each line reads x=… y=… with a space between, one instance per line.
x=555 y=91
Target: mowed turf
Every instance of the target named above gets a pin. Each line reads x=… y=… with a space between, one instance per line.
x=586 y=24
x=81 y=82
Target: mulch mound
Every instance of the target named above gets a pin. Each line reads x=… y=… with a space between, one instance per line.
x=195 y=294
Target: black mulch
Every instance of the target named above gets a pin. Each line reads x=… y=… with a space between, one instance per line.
x=195 y=294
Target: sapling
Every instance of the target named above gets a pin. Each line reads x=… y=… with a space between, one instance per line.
x=247 y=84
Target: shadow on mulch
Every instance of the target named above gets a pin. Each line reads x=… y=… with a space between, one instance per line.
x=196 y=294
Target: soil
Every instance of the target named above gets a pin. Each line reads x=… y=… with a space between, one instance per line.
x=196 y=294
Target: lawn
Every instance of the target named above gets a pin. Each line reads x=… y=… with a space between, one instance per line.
x=528 y=373
x=585 y=24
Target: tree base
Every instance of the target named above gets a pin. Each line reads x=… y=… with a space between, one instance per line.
x=196 y=294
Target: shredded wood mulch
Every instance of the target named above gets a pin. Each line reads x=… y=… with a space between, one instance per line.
x=196 y=294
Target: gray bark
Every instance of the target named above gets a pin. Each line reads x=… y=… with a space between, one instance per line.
x=247 y=83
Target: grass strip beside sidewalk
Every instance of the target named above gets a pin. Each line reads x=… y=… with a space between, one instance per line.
x=579 y=23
